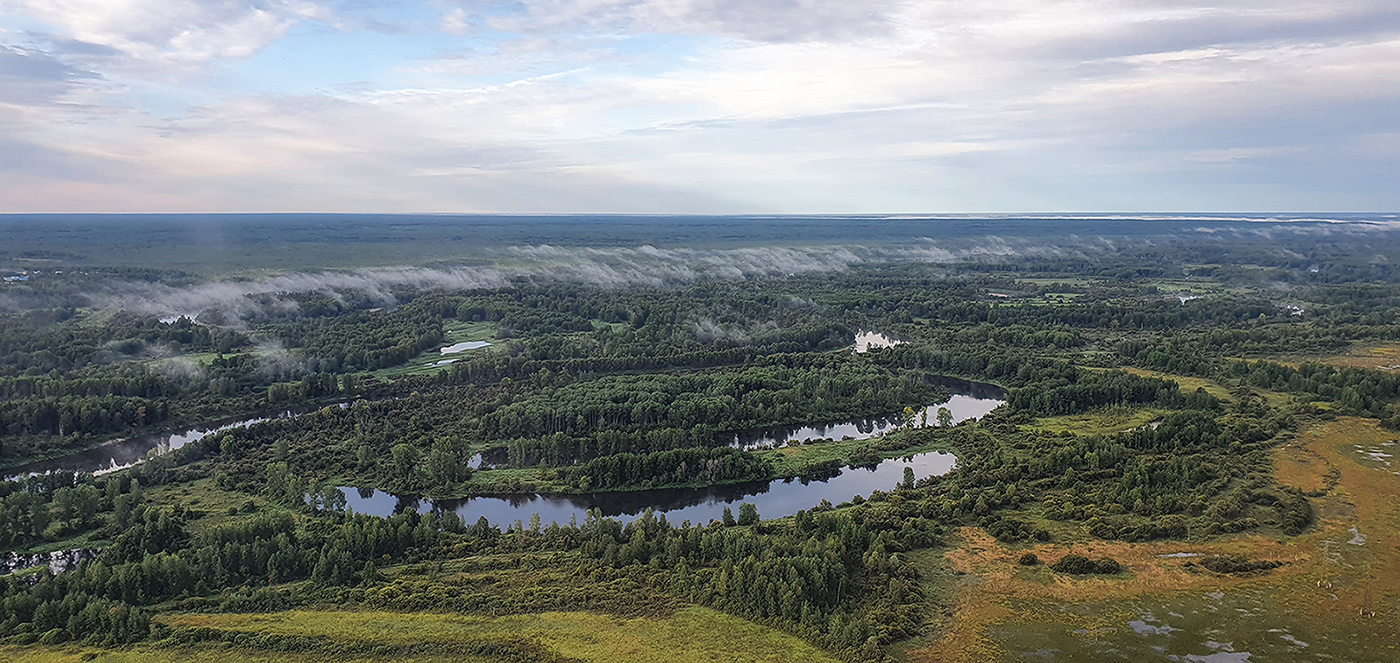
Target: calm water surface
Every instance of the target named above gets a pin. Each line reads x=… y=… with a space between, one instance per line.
x=122 y=454
x=774 y=499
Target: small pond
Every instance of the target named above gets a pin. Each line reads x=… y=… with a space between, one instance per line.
x=463 y=347
x=865 y=340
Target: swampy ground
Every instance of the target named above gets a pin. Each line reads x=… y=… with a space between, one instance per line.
x=1337 y=596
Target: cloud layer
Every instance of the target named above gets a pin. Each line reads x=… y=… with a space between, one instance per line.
x=698 y=105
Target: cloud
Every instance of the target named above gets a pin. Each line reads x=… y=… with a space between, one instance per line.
x=172 y=31
x=602 y=267
x=705 y=106
x=756 y=20
x=239 y=298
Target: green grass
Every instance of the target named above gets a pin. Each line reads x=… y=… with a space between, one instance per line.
x=454 y=331
x=1103 y=421
x=788 y=461
x=691 y=634
x=1188 y=384
x=208 y=502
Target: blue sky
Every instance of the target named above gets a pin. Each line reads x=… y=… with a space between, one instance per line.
x=699 y=106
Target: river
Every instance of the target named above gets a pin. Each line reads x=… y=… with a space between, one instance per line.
x=124 y=453
x=774 y=499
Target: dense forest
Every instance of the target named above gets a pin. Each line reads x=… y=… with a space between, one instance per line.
x=1144 y=391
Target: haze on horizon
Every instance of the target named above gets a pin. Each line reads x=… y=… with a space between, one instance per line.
x=687 y=106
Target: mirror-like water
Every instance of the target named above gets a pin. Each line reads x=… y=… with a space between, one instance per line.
x=58 y=561
x=462 y=347
x=775 y=499
x=970 y=401
x=865 y=340
x=122 y=454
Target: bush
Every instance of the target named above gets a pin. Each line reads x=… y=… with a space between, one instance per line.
x=1028 y=559
x=56 y=636
x=1237 y=564
x=1075 y=564
x=1081 y=565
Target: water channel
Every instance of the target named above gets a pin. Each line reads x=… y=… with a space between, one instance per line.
x=124 y=453
x=774 y=499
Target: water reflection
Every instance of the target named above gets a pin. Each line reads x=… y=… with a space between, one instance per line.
x=865 y=340
x=774 y=499
x=58 y=561
x=122 y=454
x=463 y=346
x=970 y=401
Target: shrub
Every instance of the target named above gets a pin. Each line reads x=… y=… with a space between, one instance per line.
x=1237 y=564
x=1075 y=564
x=55 y=636
x=1107 y=566
x=1081 y=565
x=1028 y=559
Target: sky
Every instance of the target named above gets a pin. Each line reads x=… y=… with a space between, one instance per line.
x=699 y=106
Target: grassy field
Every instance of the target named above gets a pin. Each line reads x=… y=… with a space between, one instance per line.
x=209 y=504
x=454 y=331
x=1104 y=421
x=1337 y=590
x=1380 y=356
x=691 y=634
x=1188 y=384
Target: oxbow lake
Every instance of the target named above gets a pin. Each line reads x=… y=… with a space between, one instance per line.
x=121 y=454
x=774 y=499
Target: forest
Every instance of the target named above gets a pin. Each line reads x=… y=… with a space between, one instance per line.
x=1134 y=395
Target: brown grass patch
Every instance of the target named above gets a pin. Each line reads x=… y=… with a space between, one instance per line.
x=1381 y=356
x=1299 y=467
x=1322 y=562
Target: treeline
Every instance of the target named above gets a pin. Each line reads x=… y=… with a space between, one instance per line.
x=79 y=415
x=680 y=467
x=157 y=560
x=70 y=343
x=1075 y=390
x=1199 y=471
x=56 y=506
x=1358 y=391
x=827 y=388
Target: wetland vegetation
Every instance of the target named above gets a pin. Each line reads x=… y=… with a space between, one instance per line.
x=1020 y=445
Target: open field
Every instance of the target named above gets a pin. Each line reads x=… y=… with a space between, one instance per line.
x=1380 y=356
x=1339 y=588
x=691 y=634
x=1105 y=421
x=1188 y=384
x=454 y=331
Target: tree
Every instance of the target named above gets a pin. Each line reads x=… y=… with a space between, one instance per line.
x=405 y=461
x=727 y=517
x=945 y=417
x=748 y=514
x=908 y=482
